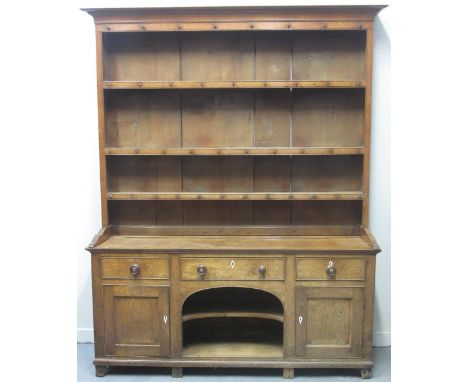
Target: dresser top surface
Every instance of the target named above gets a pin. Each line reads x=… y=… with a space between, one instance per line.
x=238 y=243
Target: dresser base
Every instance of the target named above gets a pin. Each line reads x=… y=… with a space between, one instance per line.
x=177 y=365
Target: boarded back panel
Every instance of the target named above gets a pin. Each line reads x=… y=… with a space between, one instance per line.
x=201 y=174
x=217 y=118
x=127 y=173
x=272 y=212
x=326 y=212
x=144 y=174
x=136 y=212
x=235 y=213
x=142 y=118
x=272 y=174
x=141 y=57
x=273 y=56
x=169 y=212
x=236 y=174
x=169 y=174
x=326 y=173
x=329 y=55
x=327 y=117
x=218 y=213
x=223 y=56
x=272 y=118
x=200 y=212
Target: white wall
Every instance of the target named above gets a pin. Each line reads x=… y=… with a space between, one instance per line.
x=87 y=221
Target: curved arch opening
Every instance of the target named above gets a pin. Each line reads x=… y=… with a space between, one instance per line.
x=232 y=322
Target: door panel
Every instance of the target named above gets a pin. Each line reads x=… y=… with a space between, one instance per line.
x=136 y=320
x=329 y=322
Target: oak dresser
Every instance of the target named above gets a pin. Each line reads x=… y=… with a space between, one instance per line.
x=234 y=151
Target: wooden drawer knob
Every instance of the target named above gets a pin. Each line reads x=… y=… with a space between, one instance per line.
x=262 y=270
x=201 y=270
x=134 y=269
x=331 y=270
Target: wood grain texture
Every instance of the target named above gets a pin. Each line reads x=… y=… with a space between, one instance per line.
x=240 y=243
x=272 y=119
x=142 y=56
x=272 y=56
x=175 y=308
x=329 y=322
x=236 y=13
x=111 y=85
x=342 y=195
x=234 y=18
x=246 y=151
x=315 y=214
x=325 y=174
x=143 y=119
x=217 y=119
x=316 y=269
x=324 y=118
x=134 y=320
x=232 y=268
x=331 y=55
x=149 y=268
x=258 y=230
x=233 y=350
x=236 y=363
x=217 y=56
x=101 y=128
x=367 y=125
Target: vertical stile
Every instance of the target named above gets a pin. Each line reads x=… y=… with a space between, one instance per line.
x=367 y=126
x=101 y=127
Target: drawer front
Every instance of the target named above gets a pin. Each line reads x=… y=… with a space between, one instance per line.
x=232 y=268
x=146 y=268
x=317 y=269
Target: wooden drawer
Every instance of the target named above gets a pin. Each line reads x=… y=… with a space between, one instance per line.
x=316 y=268
x=232 y=268
x=148 y=268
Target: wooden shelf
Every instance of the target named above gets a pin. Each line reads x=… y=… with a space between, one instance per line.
x=234 y=349
x=233 y=313
x=237 y=151
x=233 y=309
x=357 y=195
x=230 y=84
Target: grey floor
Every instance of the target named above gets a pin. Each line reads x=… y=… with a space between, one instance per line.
x=381 y=372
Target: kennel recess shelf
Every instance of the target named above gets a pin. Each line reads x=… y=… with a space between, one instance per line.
x=232 y=313
x=233 y=310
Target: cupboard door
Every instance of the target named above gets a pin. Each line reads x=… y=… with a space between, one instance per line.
x=329 y=322
x=136 y=320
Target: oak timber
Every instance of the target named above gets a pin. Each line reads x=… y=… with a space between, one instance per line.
x=234 y=151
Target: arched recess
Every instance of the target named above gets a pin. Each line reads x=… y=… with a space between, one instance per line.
x=232 y=322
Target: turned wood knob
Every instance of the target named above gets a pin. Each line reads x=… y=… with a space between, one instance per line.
x=331 y=270
x=201 y=270
x=262 y=270
x=134 y=269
